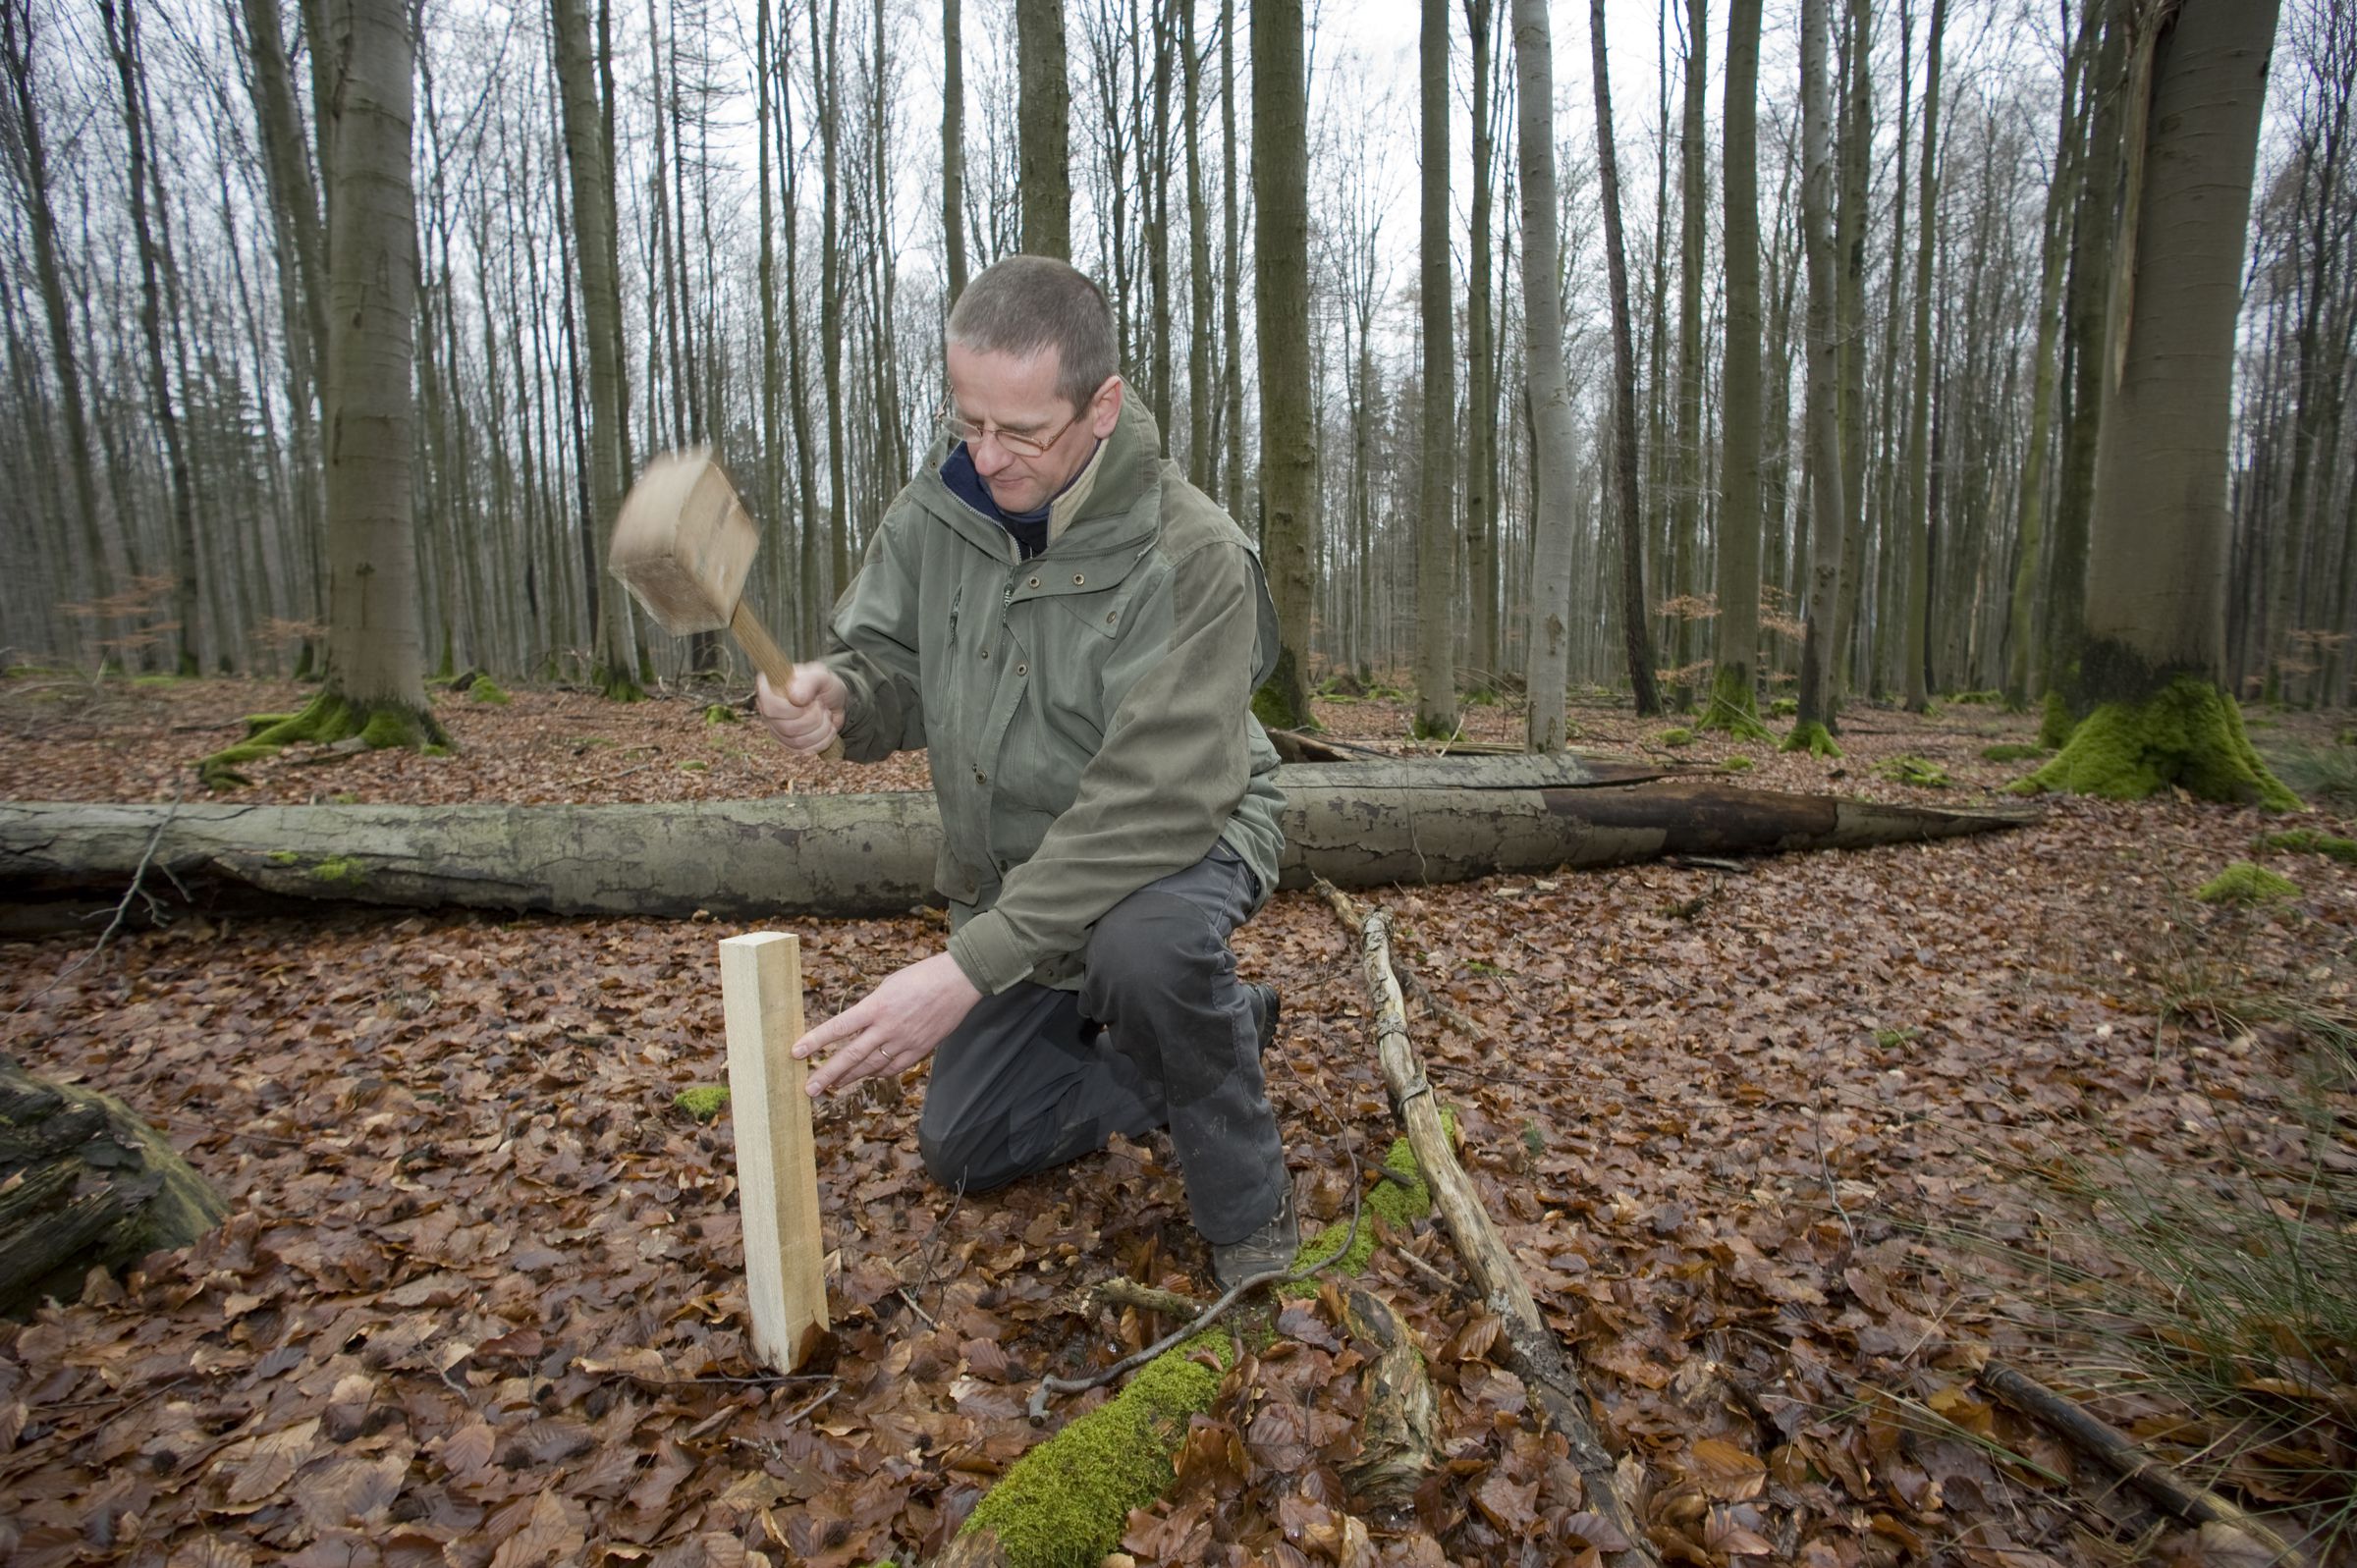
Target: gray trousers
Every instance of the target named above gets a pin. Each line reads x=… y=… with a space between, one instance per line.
x=1160 y=1034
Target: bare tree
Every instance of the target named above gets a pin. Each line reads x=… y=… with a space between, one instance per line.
x=1812 y=730
x=1280 y=299
x=1734 y=704
x=1550 y=390
x=1044 y=116
x=1436 y=533
x=1629 y=512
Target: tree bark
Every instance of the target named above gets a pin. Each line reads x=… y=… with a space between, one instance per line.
x=601 y=312
x=1818 y=654
x=1685 y=504
x=953 y=151
x=1915 y=647
x=1354 y=823
x=1044 y=127
x=1281 y=298
x=1436 y=499
x=1552 y=471
x=1481 y=381
x=1735 y=700
x=1631 y=528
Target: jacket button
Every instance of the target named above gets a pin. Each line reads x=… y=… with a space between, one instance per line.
x=1023 y=669
x=980 y=776
x=1078 y=581
x=986 y=653
x=1034 y=582
x=1109 y=616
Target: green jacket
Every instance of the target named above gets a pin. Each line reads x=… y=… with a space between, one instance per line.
x=1089 y=711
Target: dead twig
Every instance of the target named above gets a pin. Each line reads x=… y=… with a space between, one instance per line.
x=1122 y=1292
x=2136 y=1466
x=1345 y=909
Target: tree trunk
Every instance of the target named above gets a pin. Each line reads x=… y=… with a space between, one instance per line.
x=1280 y=299
x=2157 y=567
x=1689 y=477
x=122 y=43
x=953 y=151
x=1917 y=513
x=1356 y=823
x=1553 y=465
x=375 y=661
x=1231 y=334
x=1043 y=128
x=615 y=663
x=1202 y=457
x=1436 y=498
x=1812 y=730
x=1734 y=702
x=1849 y=327
x=1481 y=384
x=1632 y=527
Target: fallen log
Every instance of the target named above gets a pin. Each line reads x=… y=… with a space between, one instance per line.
x=84 y=1184
x=1531 y=1349
x=1352 y=823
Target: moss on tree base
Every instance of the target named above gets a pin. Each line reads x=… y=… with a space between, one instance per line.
x=1813 y=738
x=2056 y=724
x=329 y=716
x=2188 y=735
x=1734 y=710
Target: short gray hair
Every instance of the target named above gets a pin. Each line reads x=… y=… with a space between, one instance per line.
x=1020 y=305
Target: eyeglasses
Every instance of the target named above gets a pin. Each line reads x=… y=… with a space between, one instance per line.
x=957 y=427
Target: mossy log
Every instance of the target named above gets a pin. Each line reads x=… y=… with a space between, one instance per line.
x=1352 y=823
x=84 y=1184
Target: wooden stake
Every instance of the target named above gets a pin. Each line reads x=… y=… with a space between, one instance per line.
x=777 y=1164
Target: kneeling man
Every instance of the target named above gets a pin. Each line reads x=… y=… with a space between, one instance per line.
x=1073 y=632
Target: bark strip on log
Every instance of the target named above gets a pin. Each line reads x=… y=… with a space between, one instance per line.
x=1530 y=1345
x=2133 y=1464
x=1355 y=825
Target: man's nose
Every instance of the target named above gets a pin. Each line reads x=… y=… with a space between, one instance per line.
x=988 y=455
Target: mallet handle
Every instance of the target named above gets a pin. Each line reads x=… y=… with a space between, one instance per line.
x=753 y=637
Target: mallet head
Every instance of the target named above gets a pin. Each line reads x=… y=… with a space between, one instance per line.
x=684 y=542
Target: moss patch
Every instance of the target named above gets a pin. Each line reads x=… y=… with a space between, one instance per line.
x=1065 y=1503
x=2011 y=751
x=1679 y=736
x=485 y=689
x=1734 y=710
x=703 y=1102
x=1738 y=763
x=2309 y=841
x=339 y=871
x=1921 y=772
x=2056 y=724
x=2188 y=734
x=1813 y=738
x=722 y=713
x=2244 y=883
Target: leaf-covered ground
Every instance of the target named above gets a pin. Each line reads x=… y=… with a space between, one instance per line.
x=1760 y=1138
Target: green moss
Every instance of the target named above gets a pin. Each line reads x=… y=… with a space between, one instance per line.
x=703 y=1102
x=2309 y=841
x=433 y=750
x=1734 y=710
x=1065 y=1503
x=722 y=713
x=1813 y=738
x=281 y=858
x=1736 y=763
x=696 y=765
x=339 y=871
x=151 y=681
x=2188 y=734
x=1676 y=735
x=1783 y=707
x=2056 y=724
x=2244 y=883
x=618 y=684
x=1979 y=699
x=485 y=689
x=1920 y=771
x=2011 y=751
x=328 y=718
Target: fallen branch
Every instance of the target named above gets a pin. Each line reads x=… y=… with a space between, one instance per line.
x=1345 y=909
x=1531 y=1346
x=2139 y=1469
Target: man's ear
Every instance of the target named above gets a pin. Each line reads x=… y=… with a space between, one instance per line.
x=1105 y=408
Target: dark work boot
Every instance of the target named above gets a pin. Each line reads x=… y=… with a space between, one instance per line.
x=1265 y=1008
x=1272 y=1246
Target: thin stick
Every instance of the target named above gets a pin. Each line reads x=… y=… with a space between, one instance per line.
x=2148 y=1475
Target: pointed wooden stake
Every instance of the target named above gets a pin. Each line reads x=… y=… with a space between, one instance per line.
x=777 y=1164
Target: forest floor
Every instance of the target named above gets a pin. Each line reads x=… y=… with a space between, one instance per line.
x=1781 y=1149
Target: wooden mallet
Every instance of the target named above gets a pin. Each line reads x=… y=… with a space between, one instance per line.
x=682 y=546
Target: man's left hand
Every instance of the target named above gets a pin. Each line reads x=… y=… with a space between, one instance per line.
x=893 y=1028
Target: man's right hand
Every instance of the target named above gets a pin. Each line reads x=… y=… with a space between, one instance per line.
x=808 y=713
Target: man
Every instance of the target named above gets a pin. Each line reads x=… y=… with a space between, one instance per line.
x=1074 y=633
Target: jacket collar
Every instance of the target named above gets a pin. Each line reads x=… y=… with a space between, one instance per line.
x=1099 y=510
